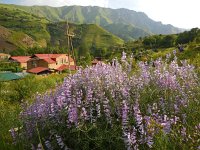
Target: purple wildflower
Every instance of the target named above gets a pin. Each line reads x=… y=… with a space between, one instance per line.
x=125 y=111
x=132 y=140
x=13 y=134
x=48 y=145
x=73 y=114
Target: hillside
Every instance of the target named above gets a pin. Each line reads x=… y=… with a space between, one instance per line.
x=21 y=21
x=20 y=29
x=89 y=34
x=126 y=32
x=104 y=17
x=24 y=30
x=11 y=40
x=186 y=44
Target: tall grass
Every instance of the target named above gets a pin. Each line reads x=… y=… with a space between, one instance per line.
x=9 y=117
x=118 y=107
x=12 y=94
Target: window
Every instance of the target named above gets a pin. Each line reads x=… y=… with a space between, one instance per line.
x=34 y=63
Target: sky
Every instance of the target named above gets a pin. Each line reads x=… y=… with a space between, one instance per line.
x=180 y=13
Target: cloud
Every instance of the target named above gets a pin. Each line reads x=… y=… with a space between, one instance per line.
x=130 y=4
x=181 y=13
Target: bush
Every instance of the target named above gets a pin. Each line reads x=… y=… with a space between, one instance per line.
x=25 y=89
x=116 y=107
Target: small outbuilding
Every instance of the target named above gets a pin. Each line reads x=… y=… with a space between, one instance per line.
x=39 y=70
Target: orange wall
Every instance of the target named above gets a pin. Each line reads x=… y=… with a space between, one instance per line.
x=63 y=59
x=23 y=65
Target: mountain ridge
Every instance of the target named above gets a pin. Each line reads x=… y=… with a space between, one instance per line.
x=24 y=30
x=103 y=17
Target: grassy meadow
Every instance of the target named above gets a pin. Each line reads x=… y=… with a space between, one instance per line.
x=15 y=94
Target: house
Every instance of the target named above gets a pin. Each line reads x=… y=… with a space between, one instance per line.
x=21 y=60
x=39 y=70
x=41 y=63
x=4 y=56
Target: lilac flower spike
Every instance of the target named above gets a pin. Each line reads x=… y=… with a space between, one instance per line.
x=144 y=102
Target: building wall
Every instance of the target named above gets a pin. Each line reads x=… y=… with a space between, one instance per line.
x=23 y=65
x=72 y=63
x=42 y=63
x=62 y=60
x=53 y=66
x=33 y=63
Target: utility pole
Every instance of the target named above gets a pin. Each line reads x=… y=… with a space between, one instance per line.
x=70 y=46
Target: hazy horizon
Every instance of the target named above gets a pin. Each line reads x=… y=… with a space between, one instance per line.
x=179 y=13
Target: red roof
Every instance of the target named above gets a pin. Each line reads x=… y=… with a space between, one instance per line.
x=72 y=67
x=63 y=67
x=21 y=59
x=38 y=70
x=49 y=60
x=41 y=56
x=52 y=56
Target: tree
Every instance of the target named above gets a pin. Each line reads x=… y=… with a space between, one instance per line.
x=149 y=42
x=84 y=55
x=19 y=52
x=167 y=41
x=83 y=50
x=187 y=36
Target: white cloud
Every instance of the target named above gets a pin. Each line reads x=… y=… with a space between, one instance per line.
x=181 y=13
x=130 y=4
